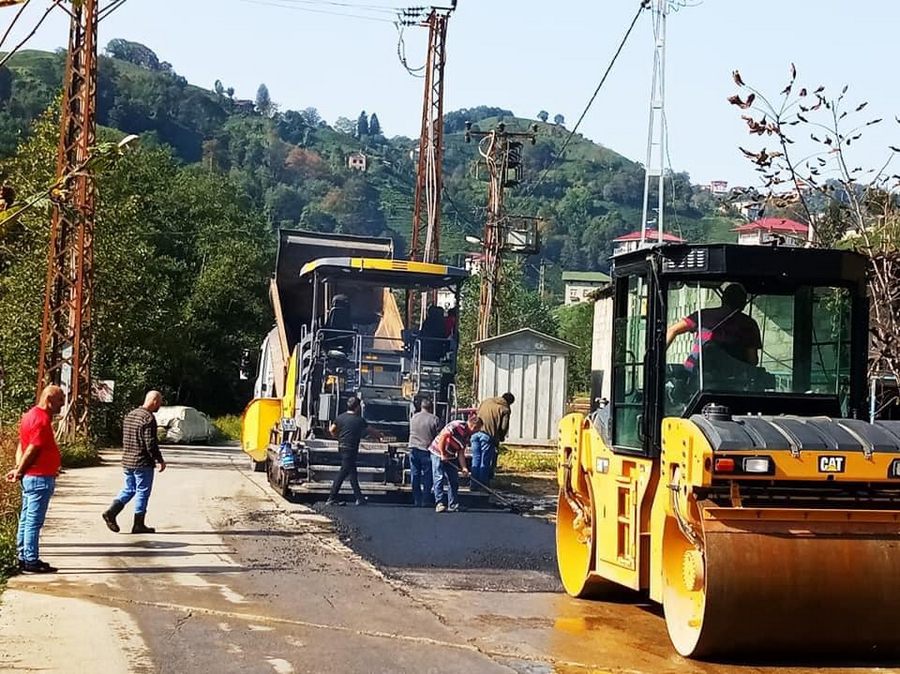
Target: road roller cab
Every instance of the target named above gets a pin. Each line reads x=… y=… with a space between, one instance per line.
x=731 y=474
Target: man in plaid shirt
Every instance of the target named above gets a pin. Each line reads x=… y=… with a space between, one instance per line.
x=139 y=460
x=449 y=446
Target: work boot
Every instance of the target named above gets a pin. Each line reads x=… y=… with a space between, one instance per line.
x=109 y=516
x=139 y=526
x=37 y=567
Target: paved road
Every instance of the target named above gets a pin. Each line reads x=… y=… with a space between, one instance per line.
x=239 y=581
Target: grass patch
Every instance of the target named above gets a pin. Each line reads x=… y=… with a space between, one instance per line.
x=9 y=504
x=227 y=428
x=525 y=461
x=79 y=453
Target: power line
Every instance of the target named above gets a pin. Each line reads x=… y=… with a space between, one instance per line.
x=401 y=53
x=110 y=8
x=12 y=52
x=297 y=8
x=14 y=21
x=351 y=5
x=643 y=5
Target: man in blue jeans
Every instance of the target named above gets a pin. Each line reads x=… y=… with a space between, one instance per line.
x=423 y=429
x=139 y=459
x=37 y=464
x=450 y=445
x=483 y=454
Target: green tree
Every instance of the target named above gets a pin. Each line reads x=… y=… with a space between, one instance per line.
x=219 y=88
x=263 y=101
x=181 y=268
x=576 y=323
x=559 y=120
x=344 y=125
x=362 y=125
x=133 y=52
x=374 y=125
x=543 y=115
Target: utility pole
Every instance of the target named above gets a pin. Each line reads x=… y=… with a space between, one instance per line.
x=425 y=241
x=426 y=229
x=501 y=153
x=656 y=135
x=66 y=337
x=541 y=274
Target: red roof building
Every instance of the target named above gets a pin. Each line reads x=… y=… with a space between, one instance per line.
x=764 y=231
x=632 y=241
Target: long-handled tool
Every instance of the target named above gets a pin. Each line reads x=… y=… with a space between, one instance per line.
x=513 y=508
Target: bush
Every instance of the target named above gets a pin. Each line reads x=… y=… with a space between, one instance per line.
x=79 y=453
x=9 y=504
x=227 y=428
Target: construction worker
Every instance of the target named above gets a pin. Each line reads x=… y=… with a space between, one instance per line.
x=495 y=413
x=423 y=429
x=349 y=429
x=37 y=465
x=451 y=444
x=726 y=327
x=140 y=458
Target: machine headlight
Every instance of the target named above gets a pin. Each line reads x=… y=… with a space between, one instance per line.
x=757 y=464
x=894 y=469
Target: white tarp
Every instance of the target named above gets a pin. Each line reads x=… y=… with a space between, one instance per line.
x=183 y=425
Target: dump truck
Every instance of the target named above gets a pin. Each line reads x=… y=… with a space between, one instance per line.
x=340 y=332
x=731 y=472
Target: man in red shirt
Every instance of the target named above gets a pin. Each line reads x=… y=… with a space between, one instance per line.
x=37 y=464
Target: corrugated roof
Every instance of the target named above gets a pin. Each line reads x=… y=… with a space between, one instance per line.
x=589 y=276
x=521 y=331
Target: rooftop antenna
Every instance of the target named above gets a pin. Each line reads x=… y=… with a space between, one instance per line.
x=654 y=168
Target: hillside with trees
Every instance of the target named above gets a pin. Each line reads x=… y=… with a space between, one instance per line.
x=293 y=165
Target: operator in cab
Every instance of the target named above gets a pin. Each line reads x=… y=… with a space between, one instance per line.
x=726 y=327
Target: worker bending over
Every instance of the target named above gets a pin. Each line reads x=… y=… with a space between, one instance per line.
x=494 y=413
x=450 y=445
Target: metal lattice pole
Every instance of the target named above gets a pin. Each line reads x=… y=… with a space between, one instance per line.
x=66 y=338
x=656 y=134
x=426 y=232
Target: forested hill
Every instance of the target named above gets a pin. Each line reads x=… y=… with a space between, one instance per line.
x=293 y=165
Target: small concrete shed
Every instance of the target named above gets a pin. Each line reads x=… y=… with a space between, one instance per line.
x=534 y=368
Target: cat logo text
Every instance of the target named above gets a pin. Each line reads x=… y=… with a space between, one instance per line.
x=832 y=464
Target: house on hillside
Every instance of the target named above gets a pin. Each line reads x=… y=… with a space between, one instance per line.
x=357 y=161
x=632 y=241
x=580 y=284
x=765 y=231
x=244 y=106
x=717 y=187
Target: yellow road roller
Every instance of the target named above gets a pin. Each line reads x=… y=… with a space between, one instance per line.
x=730 y=470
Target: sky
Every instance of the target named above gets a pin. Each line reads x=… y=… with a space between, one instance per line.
x=527 y=56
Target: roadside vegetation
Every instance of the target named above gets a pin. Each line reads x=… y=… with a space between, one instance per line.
x=9 y=504
x=80 y=453
x=227 y=428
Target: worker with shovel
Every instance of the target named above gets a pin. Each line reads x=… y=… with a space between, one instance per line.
x=450 y=445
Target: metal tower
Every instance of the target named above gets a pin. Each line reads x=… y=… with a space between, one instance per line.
x=654 y=168
x=426 y=229
x=66 y=339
